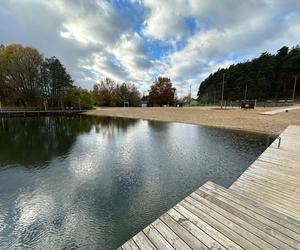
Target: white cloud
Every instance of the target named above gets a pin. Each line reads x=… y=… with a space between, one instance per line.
x=126 y=61
x=234 y=30
x=94 y=40
x=166 y=19
x=131 y=53
x=90 y=22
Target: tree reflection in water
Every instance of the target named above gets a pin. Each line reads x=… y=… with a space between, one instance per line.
x=93 y=182
x=34 y=141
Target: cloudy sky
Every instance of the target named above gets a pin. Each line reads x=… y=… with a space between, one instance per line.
x=136 y=40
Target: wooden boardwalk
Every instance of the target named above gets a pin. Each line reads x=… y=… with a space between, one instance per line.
x=261 y=210
x=13 y=113
x=274 y=178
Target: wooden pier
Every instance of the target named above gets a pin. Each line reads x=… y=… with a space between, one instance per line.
x=261 y=210
x=24 y=113
x=274 y=178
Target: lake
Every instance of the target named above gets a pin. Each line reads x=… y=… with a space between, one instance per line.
x=83 y=182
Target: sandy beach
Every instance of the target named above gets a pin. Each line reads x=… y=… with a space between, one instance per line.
x=236 y=119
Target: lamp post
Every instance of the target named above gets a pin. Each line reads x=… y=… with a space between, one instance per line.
x=245 y=95
x=223 y=90
x=190 y=95
x=295 y=83
x=79 y=103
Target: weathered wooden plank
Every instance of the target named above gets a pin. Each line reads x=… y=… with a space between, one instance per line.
x=276 y=164
x=143 y=242
x=156 y=238
x=208 y=229
x=172 y=237
x=287 y=226
x=267 y=202
x=275 y=172
x=273 y=159
x=130 y=245
x=268 y=191
x=274 y=178
x=207 y=239
x=257 y=207
x=245 y=229
x=184 y=234
x=283 y=185
x=262 y=223
x=220 y=223
x=270 y=235
x=270 y=197
x=287 y=170
x=274 y=188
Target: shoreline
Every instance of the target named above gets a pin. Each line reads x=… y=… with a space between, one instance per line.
x=249 y=121
x=256 y=132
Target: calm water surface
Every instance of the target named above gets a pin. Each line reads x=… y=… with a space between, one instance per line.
x=92 y=183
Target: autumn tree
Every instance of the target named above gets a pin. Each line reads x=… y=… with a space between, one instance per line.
x=27 y=79
x=20 y=69
x=78 y=98
x=129 y=93
x=162 y=92
x=110 y=93
x=105 y=93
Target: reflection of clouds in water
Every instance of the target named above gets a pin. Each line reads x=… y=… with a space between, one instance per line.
x=131 y=156
x=108 y=131
x=84 y=164
x=110 y=182
x=125 y=149
x=34 y=207
x=55 y=209
x=2 y=223
x=22 y=225
x=41 y=218
x=78 y=224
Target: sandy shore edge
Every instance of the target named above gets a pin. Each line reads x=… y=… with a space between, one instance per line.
x=233 y=119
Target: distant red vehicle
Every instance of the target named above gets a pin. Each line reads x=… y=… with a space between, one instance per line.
x=247 y=105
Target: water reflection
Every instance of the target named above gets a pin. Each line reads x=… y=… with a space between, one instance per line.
x=112 y=125
x=105 y=178
x=158 y=126
x=32 y=142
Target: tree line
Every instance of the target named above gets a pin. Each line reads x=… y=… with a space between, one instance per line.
x=110 y=93
x=28 y=79
x=270 y=76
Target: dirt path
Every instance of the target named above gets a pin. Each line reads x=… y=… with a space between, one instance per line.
x=237 y=119
x=281 y=110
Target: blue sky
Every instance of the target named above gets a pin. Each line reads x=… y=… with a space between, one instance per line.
x=137 y=40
